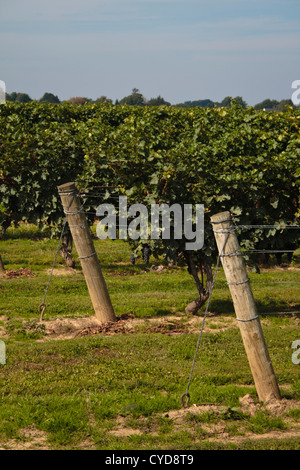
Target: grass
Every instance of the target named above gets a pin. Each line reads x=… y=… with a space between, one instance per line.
x=119 y=391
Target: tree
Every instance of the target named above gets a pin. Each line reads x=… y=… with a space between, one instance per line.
x=135 y=99
x=159 y=101
x=226 y=103
x=239 y=100
x=21 y=97
x=274 y=105
x=78 y=100
x=201 y=103
x=283 y=103
x=49 y=98
x=267 y=104
x=103 y=99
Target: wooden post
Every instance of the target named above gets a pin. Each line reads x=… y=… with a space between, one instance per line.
x=2 y=269
x=236 y=274
x=86 y=252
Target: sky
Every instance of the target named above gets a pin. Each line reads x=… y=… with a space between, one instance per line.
x=179 y=49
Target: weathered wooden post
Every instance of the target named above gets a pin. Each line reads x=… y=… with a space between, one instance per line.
x=2 y=269
x=86 y=252
x=236 y=274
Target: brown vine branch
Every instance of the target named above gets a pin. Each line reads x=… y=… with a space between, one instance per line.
x=195 y=305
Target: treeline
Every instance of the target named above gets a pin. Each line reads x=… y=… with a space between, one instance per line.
x=137 y=99
x=226 y=103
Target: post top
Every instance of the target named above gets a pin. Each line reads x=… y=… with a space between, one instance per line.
x=221 y=217
x=66 y=187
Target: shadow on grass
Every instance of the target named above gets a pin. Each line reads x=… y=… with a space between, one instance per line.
x=266 y=306
x=164 y=312
x=121 y=267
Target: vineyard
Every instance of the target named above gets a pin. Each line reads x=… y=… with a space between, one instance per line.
x=234 y=159
x=244 y=161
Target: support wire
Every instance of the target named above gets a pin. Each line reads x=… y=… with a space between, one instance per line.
x=186 y=394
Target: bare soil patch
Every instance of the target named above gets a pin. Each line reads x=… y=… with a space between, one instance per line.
x=31 y=438
x=68 y=328
x=185 y=419
x=63 y=271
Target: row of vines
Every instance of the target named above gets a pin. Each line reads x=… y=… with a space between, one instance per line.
x=242 y=160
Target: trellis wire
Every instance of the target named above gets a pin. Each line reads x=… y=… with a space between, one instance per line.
x=103 y=195
x=277 y=226
x=203 y=321
x=42 y=306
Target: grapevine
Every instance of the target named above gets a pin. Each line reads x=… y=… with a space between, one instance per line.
x=242 y=160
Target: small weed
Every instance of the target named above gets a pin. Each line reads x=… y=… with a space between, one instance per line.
x=30 y=329
x=165 y=424
x=232 y=414
x=206 y=417
x=295 y=414
x=262 y=422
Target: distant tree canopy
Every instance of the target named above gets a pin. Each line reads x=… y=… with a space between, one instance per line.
x=283 y=103
x=159 y=101
x=135 y=99
x=266 y=104
x=21 y=97
x=49 y=98
x=103 y=99
x=79 y=100
x=201 y=103
x=274 y=104
x=225 y=103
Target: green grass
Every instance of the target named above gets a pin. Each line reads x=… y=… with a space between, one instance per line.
x=80 y=392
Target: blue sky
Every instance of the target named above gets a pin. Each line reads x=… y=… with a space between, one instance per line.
x=181 y=50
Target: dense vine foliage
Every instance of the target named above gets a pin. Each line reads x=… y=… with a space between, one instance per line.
x=242 y=160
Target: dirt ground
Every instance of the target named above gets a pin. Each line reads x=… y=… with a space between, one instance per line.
x=69 y=328
x=32 y=438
